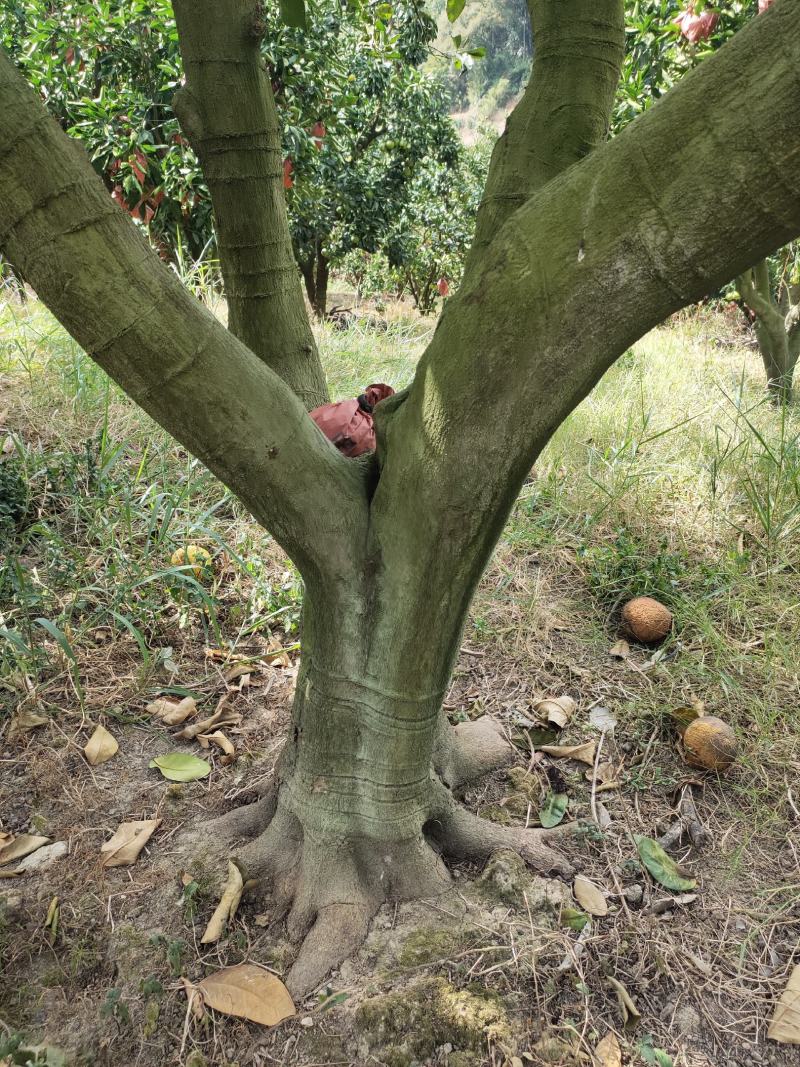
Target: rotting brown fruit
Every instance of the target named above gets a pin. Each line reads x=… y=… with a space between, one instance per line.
x=710 y=743
x=646 y=619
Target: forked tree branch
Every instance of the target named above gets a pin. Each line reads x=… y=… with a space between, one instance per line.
x=565 y=112
x=131 y=314
x=228 y=112
x=690 y=194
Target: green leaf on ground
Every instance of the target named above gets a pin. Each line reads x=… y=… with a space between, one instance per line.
x=663 y=867
x=181 y=766
x=574 y=919
x=554 y=809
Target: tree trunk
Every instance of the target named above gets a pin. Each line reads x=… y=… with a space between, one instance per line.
x=777 y=329
x=316 y=272
x=363 y=811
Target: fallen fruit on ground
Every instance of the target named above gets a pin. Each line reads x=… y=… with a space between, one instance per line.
x=195 y=557
x=710 y=743
x=646 y=619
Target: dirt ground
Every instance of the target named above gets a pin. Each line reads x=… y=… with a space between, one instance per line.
x=492 y=973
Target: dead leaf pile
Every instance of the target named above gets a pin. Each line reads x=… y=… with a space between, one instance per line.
x=206 y=731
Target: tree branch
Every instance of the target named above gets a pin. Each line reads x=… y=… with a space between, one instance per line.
x=579 y=48
x=228 y=113
x=752 y=296
x=96 y=273
x=599 y=256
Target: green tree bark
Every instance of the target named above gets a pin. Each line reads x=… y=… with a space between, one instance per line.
x=363 y=805
x=777 y=327
x=228 y=113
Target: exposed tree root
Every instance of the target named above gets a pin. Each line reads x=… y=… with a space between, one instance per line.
x=471 y=750
x=328 y=888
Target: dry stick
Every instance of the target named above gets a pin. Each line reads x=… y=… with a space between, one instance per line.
x=593 y=802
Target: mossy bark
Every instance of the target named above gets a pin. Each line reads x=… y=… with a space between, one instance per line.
x=392 y=546
x=227 y=111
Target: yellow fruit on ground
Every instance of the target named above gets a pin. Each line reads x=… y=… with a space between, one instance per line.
x=194 y=556
x=646 y=619
x=709 y=743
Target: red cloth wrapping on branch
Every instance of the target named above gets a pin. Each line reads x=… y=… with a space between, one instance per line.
x=348 y=423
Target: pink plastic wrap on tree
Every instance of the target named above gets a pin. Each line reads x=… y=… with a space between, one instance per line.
x=698 y=27
x=348 y=423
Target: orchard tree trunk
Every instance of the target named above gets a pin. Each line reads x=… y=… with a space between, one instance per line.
x=576 y=258
x=777 y=327
x=316 y=272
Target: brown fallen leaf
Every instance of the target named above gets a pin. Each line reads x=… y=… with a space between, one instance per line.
x=621 y=650
x=590 y=897
x=264 y=919
x=171 y=712
x=100 y=747
x=248 y=992
x=226 y=909
x=21 y=846
x=223 y=716
x=130 y=838
x=556 y=710
x=219 y=739
x=584 y=753
x=785 y=1025
x=608 y=1053
x=23 y=721
x=195 y=998
x=630 y=1013
x=240 y=670
x=606 y=777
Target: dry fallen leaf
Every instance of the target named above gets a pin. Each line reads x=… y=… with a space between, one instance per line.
x=606 y=777
x=608 y=1052
x=23 y=721
x=171 y=712
x=219 y=739
x=602 y=719
x=785 y=1025
x=100 y=747
x=21 y=846
x=621 y=650
x=630 y=1013
x=264 y=919
x=248 y=992
x=226 y=909
x=223 y=716
x=124 y=847
x=584 y=753
x=556 y=710
x=590 y=897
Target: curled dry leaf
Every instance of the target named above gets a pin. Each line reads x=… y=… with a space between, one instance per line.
x=246 y=991
x=21 y=846
x=24 y=721
x=130 y=838
x=630 y=1013
x=608 y=1053
x=785 y=1025
x=171 y=712
x=100 y=747
x=219 y=739
x=590 y=897
x=620 y=650
x=223 y=716
x=584 y=753
x=605 y=776
x=226 y=909
x=556 y=710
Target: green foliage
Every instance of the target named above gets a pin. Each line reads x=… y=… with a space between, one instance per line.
x=13 y=497
x=16 y=1052
x=114 y=1007
x=626 y=568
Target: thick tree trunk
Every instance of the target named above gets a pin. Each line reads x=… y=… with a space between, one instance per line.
x=363 y=810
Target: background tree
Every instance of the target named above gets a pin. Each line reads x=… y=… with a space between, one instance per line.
x=575 y=257
x=666 y=39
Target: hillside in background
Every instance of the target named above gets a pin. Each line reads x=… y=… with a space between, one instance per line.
x=484 y=91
